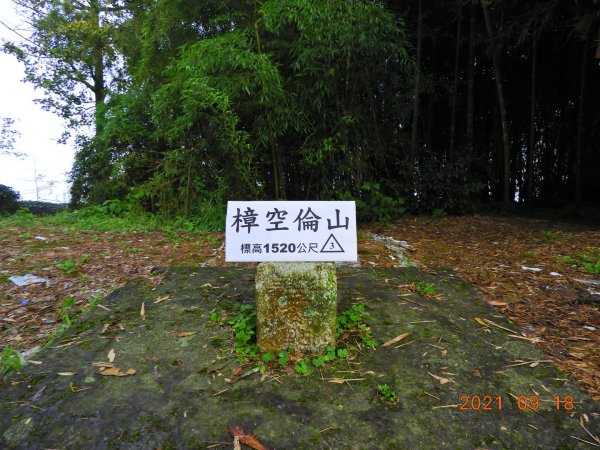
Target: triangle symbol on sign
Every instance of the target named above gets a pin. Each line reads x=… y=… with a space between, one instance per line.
x=332 y=245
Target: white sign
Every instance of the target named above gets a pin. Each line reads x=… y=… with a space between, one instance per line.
x=290 y=231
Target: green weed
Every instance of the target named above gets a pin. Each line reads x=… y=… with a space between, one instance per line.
x=301 y=367
x=68 y=265
x=425 y=289
x=243 y=325
x=244 y=330
x=589 y=263
x=550 y=235
x=386 y=394
x=10 y=361
x=353 y=321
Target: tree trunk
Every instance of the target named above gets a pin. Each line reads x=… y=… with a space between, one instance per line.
x=416 y=105
x=454 y=93
x=98 y=75
x=502 y=106
x=471 y=83
x=580 y=128
x=531 y=147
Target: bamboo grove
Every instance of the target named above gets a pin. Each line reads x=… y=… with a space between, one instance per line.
x=450 y=105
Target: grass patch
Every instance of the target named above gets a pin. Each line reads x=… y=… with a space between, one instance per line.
x=116 y=216
x=10 y=362
x=589 y=263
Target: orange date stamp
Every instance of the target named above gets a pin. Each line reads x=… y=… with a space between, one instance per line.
x=523 y=403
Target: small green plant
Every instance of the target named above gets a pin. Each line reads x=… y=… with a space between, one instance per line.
x=301 y=367
x=244 y=330
x=549 y=235
x=354 y=321
x=283 y=359
x=10 y=361
x=386 y=394
x=68 y=266
x=425 y=289
x=587 y=262
x=268 y=357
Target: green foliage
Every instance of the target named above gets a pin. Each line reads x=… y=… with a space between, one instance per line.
x=283 y=359
x=375 y=206
x=69 y=266
x=386 y=394
x=214 y=317
x=550 y=235
x=8 y=199
x=353 y=321
x=301 y=367
x=244 y=331
x=425 y=289
x=129 y=218
x=10 y=361
x=268 y=357
x=587 y=262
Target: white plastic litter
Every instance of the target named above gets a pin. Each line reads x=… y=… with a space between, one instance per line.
x=531 y=269
x=555 y=274
x=24 y=280
x=41 y=238
x=589 y=328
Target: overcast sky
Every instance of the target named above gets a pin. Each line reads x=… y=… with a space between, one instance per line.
x=39 y=129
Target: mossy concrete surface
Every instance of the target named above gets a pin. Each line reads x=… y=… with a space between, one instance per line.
x=182 y=395
x=296 y=306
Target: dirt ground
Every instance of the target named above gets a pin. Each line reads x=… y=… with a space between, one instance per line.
x=499 y=257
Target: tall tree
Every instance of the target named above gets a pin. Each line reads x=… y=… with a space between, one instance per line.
x=69 y=54
x=501 y=105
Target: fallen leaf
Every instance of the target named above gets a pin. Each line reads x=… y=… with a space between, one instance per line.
x=186 y=333
x=497 y=303
x=476 y=373
x=66 y=374
x=396 y=339
x=162 y=299
x=442 y=380
x=481 y=322
x=247 y=439
x=237 y=371
x=116 y=372
x=111 y=355
x=143 y=311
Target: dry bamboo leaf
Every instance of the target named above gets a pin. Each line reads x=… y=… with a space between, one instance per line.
x=111 y=355
x=186 y=333
x=480 y=322
x=162 y=299
x=497 y=303
x=143 y=311
x=116 y=372
x=442 y=380
x=396 y=339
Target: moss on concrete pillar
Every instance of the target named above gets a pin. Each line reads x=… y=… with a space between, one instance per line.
x=296 y=305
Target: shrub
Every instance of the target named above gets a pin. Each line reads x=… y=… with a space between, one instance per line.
x=8 y=199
